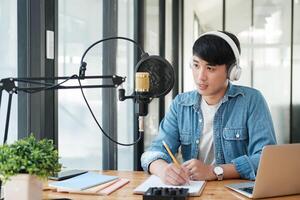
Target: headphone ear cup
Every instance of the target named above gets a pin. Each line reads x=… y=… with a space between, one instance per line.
x=234 y=72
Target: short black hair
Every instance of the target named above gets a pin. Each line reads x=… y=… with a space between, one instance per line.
x=215 y=50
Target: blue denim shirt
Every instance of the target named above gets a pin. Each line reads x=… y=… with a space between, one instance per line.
x=242 y=127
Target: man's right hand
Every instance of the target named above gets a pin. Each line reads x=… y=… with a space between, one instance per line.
x=169 y=173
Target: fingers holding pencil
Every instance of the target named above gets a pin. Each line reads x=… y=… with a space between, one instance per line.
x=177 y=174
x=174 y=175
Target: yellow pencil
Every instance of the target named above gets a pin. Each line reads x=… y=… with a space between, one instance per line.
x=172 y=156
x=170 y=153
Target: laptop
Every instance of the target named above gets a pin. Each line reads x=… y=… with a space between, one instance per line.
x=278 y=173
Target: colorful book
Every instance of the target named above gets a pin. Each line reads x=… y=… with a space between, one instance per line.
x=82 y=182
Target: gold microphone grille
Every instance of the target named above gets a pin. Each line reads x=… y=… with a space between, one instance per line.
x=142 y=82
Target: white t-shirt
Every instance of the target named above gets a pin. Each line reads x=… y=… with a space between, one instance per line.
x=206 y=145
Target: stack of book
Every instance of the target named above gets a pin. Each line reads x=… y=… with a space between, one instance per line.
x=89 y=183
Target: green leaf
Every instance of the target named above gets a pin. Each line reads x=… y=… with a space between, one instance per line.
x=28 y=155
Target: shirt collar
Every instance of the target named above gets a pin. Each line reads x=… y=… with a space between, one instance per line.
x=232 y=91
x=194 y=98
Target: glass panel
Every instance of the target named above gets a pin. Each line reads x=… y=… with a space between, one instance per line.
x=125 y=67
x=271 y=37
x=241 y=27
x=152 y=47
x=80 y=140
x=296 y=74
x=199 y=16
x=9 y=63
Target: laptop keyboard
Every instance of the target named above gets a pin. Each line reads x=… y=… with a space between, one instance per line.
x=247 y=189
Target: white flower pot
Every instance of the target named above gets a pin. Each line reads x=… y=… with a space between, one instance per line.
x=23 y=187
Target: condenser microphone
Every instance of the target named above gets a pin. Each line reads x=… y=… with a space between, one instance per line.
x=142 y=87
x=154 y=78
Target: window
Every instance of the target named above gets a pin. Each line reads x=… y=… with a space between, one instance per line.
x=151 y=47
x=241 y=26
x=80 y=140
x=199 y=16
x=125 y=67
x=9 y=63
x=272 y=64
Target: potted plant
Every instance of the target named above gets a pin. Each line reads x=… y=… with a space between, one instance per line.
x=23 y=166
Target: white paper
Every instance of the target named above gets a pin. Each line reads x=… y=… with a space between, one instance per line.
x=195 y=187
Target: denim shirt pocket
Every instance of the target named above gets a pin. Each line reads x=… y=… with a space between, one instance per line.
x=186 y=145
x=235 y=142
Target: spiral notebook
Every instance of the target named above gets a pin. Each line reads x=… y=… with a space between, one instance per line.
x=195 y=187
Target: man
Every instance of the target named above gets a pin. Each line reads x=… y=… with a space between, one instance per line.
x=220 y=127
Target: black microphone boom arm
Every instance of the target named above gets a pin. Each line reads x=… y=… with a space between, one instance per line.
x=9 y=85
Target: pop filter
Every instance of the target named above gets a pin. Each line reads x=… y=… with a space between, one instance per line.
x=162 y=76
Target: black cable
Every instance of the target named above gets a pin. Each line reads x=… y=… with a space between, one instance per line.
x=81 y=75
x=95 y=119
x=110 y=38
x=32 y=82
x=91 y=111
x=78 y=78
x=50 y=87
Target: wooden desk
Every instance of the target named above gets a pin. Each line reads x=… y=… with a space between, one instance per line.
x=212 y=190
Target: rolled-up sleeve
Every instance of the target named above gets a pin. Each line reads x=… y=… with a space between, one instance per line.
x=168 y=131
x=149 y=156
x=247 y=166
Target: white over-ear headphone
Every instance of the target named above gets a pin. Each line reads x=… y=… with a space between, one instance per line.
x=234 y=71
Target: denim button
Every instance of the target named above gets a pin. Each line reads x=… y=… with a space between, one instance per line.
x=200 y=120
x=237 y=135
x=197 y=141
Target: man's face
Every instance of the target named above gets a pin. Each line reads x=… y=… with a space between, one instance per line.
x=211 y=81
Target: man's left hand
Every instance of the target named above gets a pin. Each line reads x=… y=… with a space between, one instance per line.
x=197 y=170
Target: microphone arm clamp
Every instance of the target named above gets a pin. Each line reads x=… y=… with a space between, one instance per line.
x=82 y=70
x=123 y=97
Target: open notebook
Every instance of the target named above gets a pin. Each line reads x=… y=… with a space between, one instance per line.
x=195 y=187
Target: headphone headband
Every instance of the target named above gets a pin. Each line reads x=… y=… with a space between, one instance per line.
x=229 y=41
x=234 y=71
